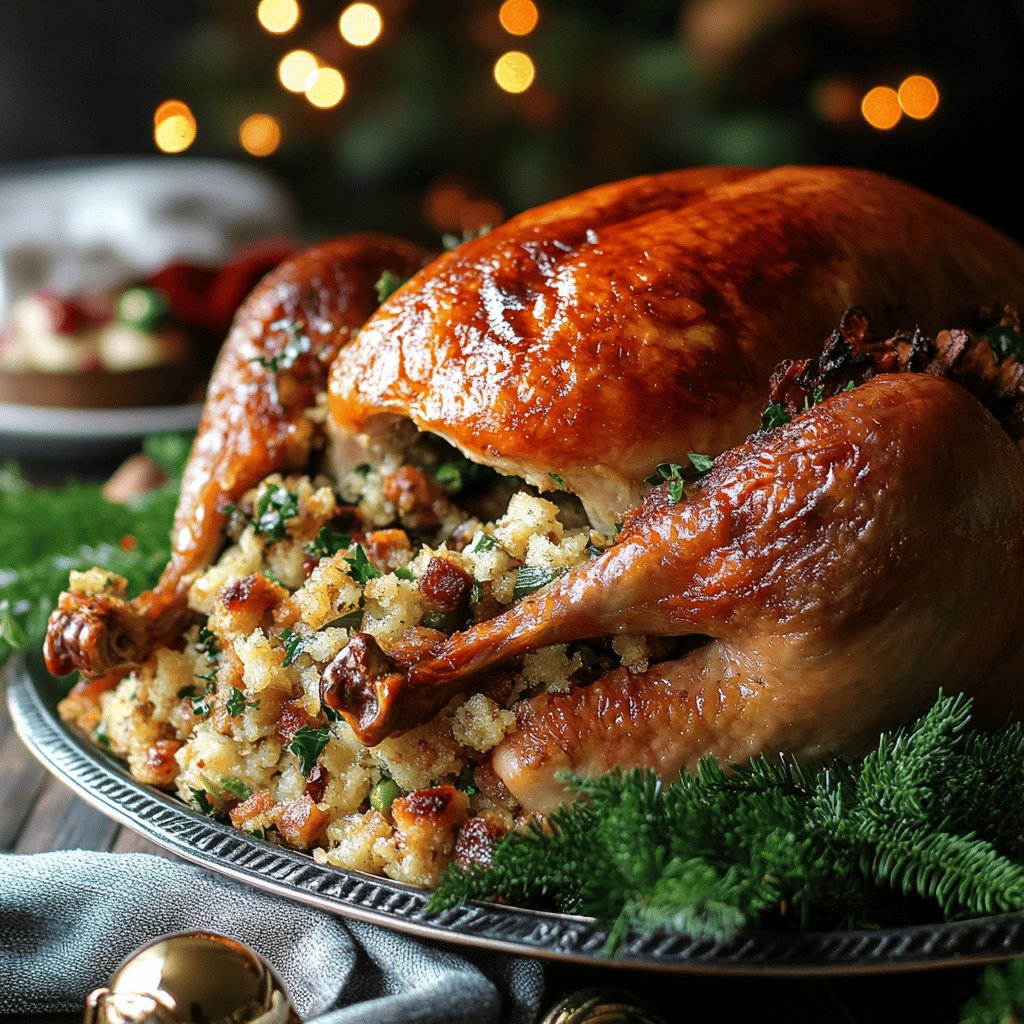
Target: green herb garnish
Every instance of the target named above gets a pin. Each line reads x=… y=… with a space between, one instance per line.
x=387 y=284
x=457 y=473
x=306 y=745
x=207 y=644
x=484 y=542
x=238 y=702
x=327 y=542
x=701 y=463
x=202 y=800
x=200 y=705
x=452 y=241
x=1005 y=341
x=672 y=472
x=236 y=787
x=276 y=505
x=403 y=572
x=530 y=578
x=558 y=481
x=361 y=569
x=298 y=344
x=774 y=416
x=294 y=645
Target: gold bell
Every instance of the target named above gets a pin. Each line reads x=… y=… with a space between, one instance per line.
x=602 y=1006
x=192 y=978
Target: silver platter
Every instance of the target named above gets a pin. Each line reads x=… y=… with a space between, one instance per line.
x=164 y=820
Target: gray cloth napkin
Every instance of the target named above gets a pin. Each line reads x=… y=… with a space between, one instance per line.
x=68 y=919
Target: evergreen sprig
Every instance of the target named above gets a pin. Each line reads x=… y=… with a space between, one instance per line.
x=924 y=827
x=45 y=533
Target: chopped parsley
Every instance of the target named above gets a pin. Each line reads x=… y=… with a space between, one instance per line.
x=236 y=519
x=530 y=578
x=850 y=385
x=361 y=569
x=275 y=506
x=818 y=395
x=774 y=416
x=672 y=473
x=238 y=702
x=327 y=542
x=207 y=644
x=484 y=542
x=466 y=782
x=294 y=645
x=476 y=593
x=200 y=705
x=307 y=744
x=387 y=284
x=458 y=473
x=236 y=787
x=101 y=736
x=403 y=572
x=701 y=463
x=202 y=800
x=298 y=344
x=559 y=482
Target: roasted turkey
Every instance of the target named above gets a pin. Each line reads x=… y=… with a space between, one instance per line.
x=833 y=572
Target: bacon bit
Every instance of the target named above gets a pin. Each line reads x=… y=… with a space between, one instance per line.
x=441 y=807
x=90 y=689
x=301 y=822
x=161 y=769
x=316 y=783
x=416 y=496
x=381 y=547
x=292 y=718
x=128 y=542
x=476 y=841
x=247 y=600
x=444 y=584
x=499 y=687
x=309 y=563
x=245 y=815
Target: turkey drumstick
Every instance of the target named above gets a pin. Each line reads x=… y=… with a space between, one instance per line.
x=272 y=368
x=844 y=566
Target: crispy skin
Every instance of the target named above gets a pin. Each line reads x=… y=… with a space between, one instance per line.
x=254 y=423
x=605 y=333
x=843 y=567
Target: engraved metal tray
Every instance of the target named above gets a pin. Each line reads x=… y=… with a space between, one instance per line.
x=103 y=782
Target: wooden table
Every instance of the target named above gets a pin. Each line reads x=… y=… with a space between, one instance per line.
x=38 y=813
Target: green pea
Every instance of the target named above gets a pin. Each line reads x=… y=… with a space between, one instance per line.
x=383 y=794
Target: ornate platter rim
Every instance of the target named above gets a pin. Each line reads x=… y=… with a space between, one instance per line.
x=102 y=782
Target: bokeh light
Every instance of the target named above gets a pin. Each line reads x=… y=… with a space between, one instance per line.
x=174 y=126
x=514 y=71
x=325 y=88
x=174 y=134
x=918 y=96
x=295 y=69
x=360 y=24
x=518 y=17
x=259 y=134
x=278 y=16
x=881 y=108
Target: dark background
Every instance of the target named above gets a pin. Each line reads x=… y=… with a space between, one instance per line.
x=424 y=141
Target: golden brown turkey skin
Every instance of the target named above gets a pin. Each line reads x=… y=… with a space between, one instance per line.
x=846 y=567
x=602 y=334
x=254 y=423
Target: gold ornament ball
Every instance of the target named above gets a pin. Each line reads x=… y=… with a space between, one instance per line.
x=191 y=978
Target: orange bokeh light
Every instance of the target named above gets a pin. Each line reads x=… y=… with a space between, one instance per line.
x=325 y=88
x=918 y=97
x=259 y=134
x=881 y=108
x=518 y=17
x=278 y=16
x=360 y=24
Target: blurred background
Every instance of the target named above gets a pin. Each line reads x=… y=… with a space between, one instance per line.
x=430 y=116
